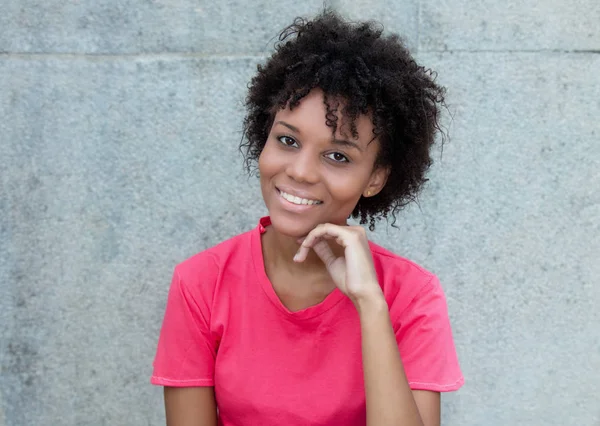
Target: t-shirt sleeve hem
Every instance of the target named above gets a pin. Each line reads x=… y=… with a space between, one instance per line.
x=163 y=381
x=438 y=387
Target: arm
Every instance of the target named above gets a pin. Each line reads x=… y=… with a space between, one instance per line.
x=193 y=406
x=389 y=398
x=429 y=406
x=184 y=362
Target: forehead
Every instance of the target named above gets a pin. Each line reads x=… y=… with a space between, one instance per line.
x=311 y=114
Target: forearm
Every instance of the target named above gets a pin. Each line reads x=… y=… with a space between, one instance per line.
x=389 y=398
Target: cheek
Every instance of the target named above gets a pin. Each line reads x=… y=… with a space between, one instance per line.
x=347 y=187
x=267 y=161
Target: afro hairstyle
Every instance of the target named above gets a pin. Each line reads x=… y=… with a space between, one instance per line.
x=374 y=74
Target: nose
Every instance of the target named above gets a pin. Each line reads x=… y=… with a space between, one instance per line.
x=304 y=167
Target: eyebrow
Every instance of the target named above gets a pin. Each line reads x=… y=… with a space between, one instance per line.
x=342 y=142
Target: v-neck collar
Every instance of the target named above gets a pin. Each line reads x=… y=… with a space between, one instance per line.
x=329 y=302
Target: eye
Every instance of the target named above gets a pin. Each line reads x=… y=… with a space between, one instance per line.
x=338 y=157
x=288 y=141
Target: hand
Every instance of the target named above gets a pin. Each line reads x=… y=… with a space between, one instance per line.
x=353 y=273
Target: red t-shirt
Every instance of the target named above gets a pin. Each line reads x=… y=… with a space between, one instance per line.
x=225 y=327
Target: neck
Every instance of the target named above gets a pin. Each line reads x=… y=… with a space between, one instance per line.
x=279 y=251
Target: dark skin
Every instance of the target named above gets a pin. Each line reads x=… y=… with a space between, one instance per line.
x=298 y=286
x=310 y=250
x=197 y=406
x=190 y=406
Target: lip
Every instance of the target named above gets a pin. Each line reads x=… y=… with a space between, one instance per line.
x=297 y=208
x=296 y=193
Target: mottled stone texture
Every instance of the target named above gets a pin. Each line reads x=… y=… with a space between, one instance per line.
x=118 y=158
x=148 y=26
x=532 y=25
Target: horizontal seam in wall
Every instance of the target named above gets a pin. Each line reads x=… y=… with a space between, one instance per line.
x=558 y=51
x=168 y=55
x=192 y=55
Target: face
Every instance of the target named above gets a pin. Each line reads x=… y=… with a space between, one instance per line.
x=309 y=176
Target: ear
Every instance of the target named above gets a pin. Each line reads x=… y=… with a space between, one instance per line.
x=377 y=181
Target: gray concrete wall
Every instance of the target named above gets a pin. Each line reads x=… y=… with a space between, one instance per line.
x=119 y=125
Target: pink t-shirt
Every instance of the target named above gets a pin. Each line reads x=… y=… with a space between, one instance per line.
x=225 y=327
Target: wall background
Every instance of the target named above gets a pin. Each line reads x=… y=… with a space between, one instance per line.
x=119 y=125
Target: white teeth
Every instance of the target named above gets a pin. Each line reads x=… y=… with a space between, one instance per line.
x=297 y=200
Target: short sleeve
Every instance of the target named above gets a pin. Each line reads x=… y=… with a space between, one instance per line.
x=425 y=341
x=186 y=347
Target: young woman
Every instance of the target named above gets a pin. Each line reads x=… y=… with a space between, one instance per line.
x=303 y=321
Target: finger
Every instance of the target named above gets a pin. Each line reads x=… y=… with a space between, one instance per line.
x=324 y=252
x=313 y=238
x=326 y=231
x=303 y=250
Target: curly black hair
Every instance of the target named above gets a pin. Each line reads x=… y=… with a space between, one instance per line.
x=374 y=74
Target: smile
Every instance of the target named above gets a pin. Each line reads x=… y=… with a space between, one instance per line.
x=297 y=200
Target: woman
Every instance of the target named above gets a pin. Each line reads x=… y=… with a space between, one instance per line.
x=303 y=321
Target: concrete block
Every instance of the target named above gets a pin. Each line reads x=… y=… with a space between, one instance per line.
x=509 y=222
x=115 y=166
x=153 y=26
x=401 y=19
x=511 y=25
x=112 y=172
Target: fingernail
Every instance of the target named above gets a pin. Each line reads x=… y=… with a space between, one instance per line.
x=296 y=257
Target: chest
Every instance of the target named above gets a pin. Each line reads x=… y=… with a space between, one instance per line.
x=292 y=372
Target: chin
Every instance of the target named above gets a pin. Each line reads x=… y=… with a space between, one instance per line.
x=291 y=227
x=297 y=226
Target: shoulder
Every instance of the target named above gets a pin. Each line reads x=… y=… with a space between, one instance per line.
x=399 y=270
x=419 y=315
x=405 y=282
x=208 y=263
